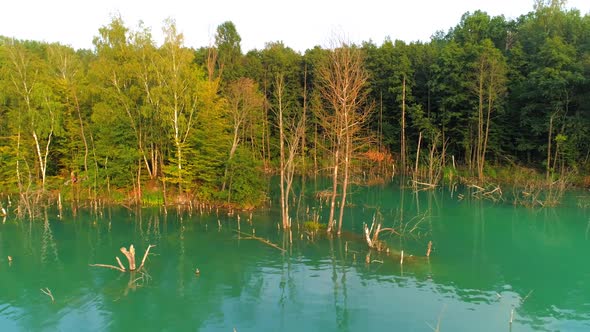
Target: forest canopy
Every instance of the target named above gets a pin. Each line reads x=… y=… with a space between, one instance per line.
x=129 y=116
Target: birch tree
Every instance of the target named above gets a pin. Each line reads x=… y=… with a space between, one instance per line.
x=38 y=109
x=489 y=86
x=179 y=93
x=291 y=132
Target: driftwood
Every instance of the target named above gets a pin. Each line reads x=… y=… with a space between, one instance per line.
x=420 y=186
x=47 y=292
x=254 y=237
x=130 y=255
x=491 y=192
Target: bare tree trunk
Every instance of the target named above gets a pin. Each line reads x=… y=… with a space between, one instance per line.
x=267 y=127
x=417 y=156
x=380 y=125
x=432 y=179
x=232 y=151
x=42 y=156
x=342 y=84
x=284 y=192
x=18 y=175
x=287 y=156
x=479 y=143
x=139 y=193
x=304 y=119
x=487 y=131
x=403 y=138
x=347 y=157
x=265 y=153
x=549 y=146
x=82 y=134
x=334 y=187
x=315 y=151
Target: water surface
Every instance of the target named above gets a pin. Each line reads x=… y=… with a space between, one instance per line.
x=490 y=262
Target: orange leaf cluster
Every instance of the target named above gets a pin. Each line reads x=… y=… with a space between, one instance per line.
x=375 y=155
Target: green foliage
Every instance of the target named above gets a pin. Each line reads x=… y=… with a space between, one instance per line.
x=132 y=111
x=246 y=183
x=227 y=41
x=450 y=175
x=313 y=226
x=211 y=142
x=152 y=198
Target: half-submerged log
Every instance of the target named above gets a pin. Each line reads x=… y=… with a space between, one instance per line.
x=130 y=255
x=254 y=237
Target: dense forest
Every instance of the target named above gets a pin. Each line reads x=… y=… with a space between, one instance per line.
x=135 y=121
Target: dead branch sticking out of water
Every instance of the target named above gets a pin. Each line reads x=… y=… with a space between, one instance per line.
x=265 y=241
x=410 y=227
x=372 y=237
x=130 y=255
x=490 y=192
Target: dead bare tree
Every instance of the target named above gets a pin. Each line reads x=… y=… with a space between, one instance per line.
x=291 y=132
x=130 y=255
x=343 y=81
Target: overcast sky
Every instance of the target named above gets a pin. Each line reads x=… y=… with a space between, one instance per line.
x=300 y=24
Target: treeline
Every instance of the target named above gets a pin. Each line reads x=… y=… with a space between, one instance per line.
x=209 y=123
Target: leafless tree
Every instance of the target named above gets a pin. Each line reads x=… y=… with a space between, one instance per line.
x=343 y=82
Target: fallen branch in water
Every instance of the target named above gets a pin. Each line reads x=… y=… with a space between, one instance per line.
x=253 y=237
x=130 y=255
x=47 y=292
x=109 y=266
x=437 y=329
x=391 y=230
x=424 y=186
x=527 y=296
x=491 y=192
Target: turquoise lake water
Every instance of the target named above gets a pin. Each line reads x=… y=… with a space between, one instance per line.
x=491 y=262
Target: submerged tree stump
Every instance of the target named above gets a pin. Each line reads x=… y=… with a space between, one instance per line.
x=130 y=255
